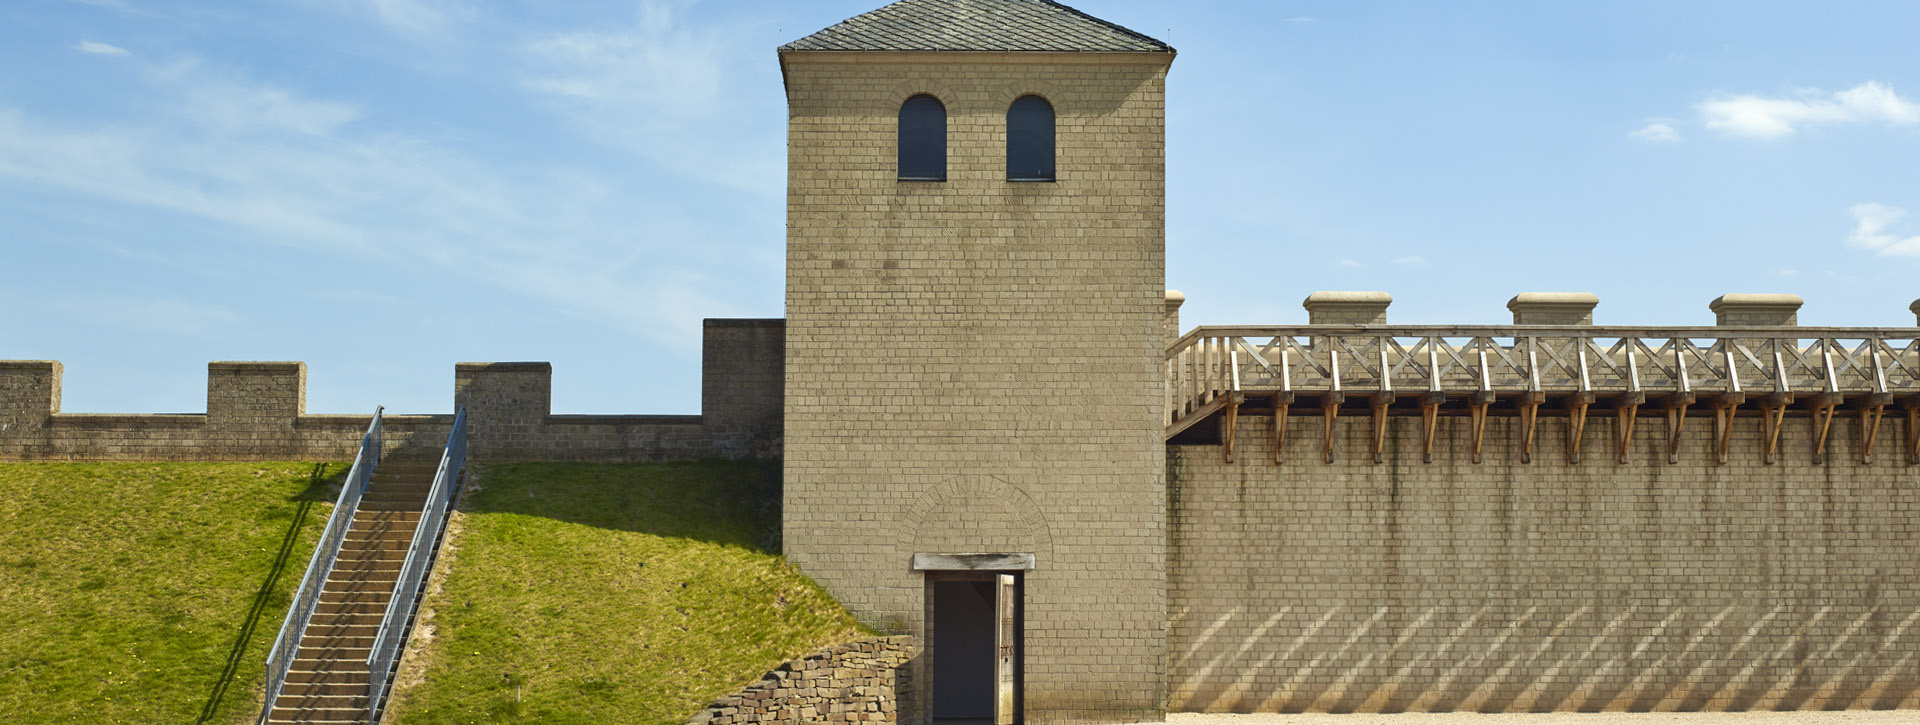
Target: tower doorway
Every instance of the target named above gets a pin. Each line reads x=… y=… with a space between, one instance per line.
x=974 y=647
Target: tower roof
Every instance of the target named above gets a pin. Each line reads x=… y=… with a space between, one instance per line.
x=979 y=25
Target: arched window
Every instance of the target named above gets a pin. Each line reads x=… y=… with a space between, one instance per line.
x=1030 y=139
x=923 y=139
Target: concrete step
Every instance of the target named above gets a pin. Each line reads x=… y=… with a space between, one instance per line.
x=341 y=630
x=313 y=670
x=310 y=689
x=318 y=715
x=381 y=517
x=338 y=654
x=346 y=620
x=376 y=543
x=357 y=605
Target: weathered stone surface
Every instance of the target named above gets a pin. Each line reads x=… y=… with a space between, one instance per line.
x=881 y=667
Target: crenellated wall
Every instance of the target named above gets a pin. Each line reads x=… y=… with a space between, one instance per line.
x=257 y=411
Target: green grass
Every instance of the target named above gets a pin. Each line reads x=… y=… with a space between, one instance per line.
x=628 y=593
x=148 y=592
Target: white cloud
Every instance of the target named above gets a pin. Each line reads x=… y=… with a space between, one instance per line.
x=97 y=48
x=271 y=164
x=1657 y=133
x=1350 y=263
x=1410 y=259
x=1871 y=222
x=1752 y=116
x=1788 y=273
x=659 y=88
x=165 y=315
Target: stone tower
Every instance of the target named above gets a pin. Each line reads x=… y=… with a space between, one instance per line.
x=974 y=355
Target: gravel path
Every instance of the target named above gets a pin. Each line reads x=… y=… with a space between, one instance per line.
x=1850 y=717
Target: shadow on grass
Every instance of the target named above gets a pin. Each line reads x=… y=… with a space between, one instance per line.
x=735 y=503
x=318 y=484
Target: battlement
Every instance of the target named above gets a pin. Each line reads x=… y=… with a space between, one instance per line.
x=257 y=411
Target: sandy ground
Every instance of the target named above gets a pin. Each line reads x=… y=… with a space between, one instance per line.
x=1850 y=717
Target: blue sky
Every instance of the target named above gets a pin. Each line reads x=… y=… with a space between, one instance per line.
x=383 y=188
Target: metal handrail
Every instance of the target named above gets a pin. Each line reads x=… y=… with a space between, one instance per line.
x=287 y=644
x=413 y=572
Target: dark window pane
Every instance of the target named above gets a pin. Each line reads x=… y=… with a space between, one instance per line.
x=1030 y=139
x=923 y=139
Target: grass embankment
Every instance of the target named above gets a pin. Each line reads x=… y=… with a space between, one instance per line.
x=611 y=593
x=149 y=592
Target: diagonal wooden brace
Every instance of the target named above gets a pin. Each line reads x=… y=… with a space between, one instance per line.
x=1330 y=414
x=1381 y=400
x=1773 y=415
x=1676 y=409
x=1529 y=404
x=1477 y=406
x=1230 y=427
x=1725 y=405
x=1429 y=422
x=1873 y=409
x=1626 y=412
x=1577 y=405
x=1823 y=405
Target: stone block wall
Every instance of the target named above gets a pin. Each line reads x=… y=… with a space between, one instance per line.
x=862 y=681
x=257 y=411
x=974 y=365
x=1512 y=587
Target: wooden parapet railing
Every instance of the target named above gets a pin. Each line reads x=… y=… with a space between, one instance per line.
x=1483 y=370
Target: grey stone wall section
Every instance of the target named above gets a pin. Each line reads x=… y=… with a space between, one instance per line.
x=862 y=681
x=1510 y=587
x=743 y=383
x=257 y=411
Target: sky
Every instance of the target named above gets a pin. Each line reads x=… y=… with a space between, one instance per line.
x=383 y=188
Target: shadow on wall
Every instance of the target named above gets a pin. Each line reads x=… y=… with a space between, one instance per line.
x=1554 y=665
x=733 y=503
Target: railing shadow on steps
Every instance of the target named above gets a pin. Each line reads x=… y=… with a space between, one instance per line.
x=307 y=598
x=398 y=621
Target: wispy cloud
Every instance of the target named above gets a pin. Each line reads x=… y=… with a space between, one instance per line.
x=655 y=88
x=165 y=315
x=1354 y=263
x=1870 y=231
x=1754 y=116
x=273 y=164
x=1657 y=133
x=98 y=48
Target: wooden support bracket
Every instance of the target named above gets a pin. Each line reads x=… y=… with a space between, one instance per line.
x=1873 y=409
x=1281 y=403
x=1429 y=422
x=1329 y=414
x=1626 y=413
x=1231 y=425
x=1381 y=400
x=1529 y=419
x=1577 y=405
x=1773 y=415
x=1824 y=405
x=1676 y=409
x=1478 y=405
x=1725 y=406
x=1913 y=431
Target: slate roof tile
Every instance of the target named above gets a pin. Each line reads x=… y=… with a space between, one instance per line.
x=979 y=25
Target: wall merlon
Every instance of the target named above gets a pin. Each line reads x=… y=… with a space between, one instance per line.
x=1347 y=308
x=1756 y=310
x=1553 y=308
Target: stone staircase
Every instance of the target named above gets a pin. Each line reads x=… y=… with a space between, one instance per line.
x=329 y=679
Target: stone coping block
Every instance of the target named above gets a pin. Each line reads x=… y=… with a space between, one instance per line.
x=1553 y=308
x=1756 y=310
x=1347 y=308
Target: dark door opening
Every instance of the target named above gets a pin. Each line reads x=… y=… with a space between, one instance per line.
x=976 y=648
